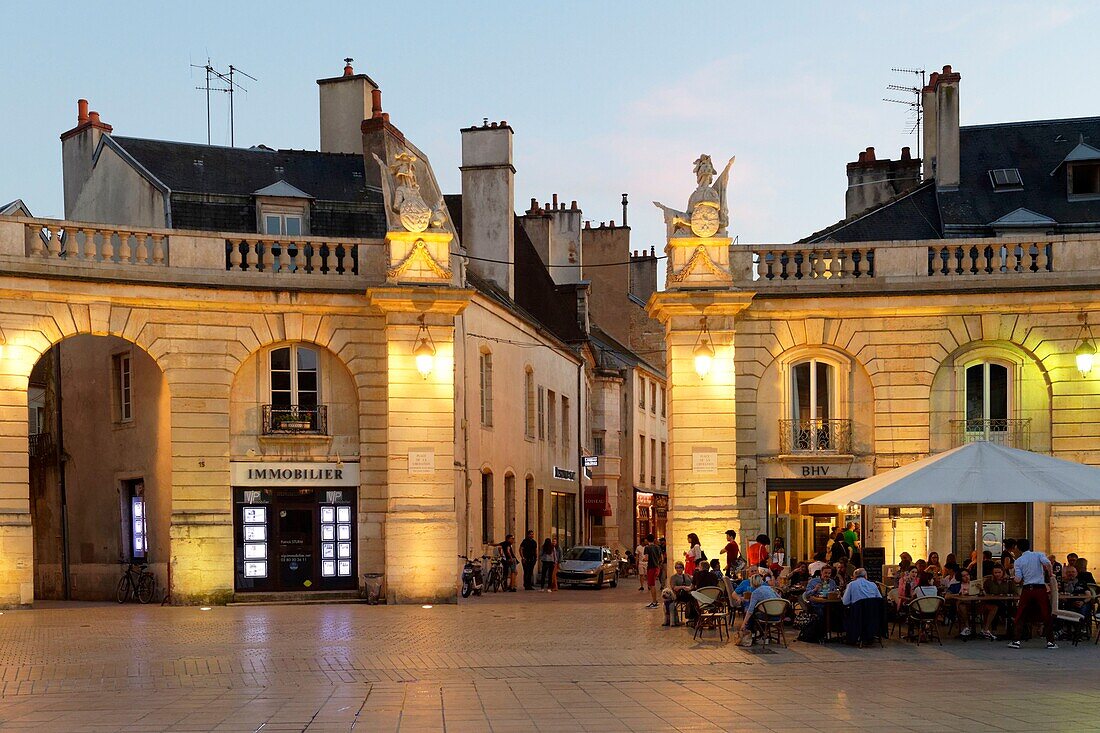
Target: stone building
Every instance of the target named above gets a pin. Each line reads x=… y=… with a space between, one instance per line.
x=251 y=385
x=947 y=312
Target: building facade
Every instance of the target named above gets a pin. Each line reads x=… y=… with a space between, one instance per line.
x=947 y=312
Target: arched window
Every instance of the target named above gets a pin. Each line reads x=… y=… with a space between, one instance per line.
x=813 y=423
x=988 y=397
x=295 y=391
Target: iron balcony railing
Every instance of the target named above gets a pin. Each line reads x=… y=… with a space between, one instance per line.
x=295 y=420
x=41 y=447
x=815 y=436
x=1014 y=433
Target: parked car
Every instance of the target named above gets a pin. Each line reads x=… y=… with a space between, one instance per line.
x=588 y=565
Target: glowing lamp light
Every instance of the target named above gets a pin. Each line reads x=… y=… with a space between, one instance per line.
x=704 y=352
x=424 y=352
x=1084 y=354
x=205 y=608
x=426 y=606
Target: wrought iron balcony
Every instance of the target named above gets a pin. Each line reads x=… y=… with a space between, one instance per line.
x=815 y=436
x=295 y=420
x=41 y=447
x=1012 y=433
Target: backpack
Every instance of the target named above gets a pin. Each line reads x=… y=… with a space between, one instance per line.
x=702 y=555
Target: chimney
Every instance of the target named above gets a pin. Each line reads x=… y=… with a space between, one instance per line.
x=345 y=101
x=940 y=100
x=624 y=209
x=78 y=145
x=643 y=274
x=556 y=236
x=872 y=181
x=488 y=203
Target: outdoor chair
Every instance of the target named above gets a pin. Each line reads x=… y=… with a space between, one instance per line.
x=727 y=584
x=770 y=615
x=1072 y=621
x=865 y=622
x=711 y=612
x=924 y=616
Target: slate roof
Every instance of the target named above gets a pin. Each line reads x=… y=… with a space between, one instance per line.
x=1036 y=148
x=241 y=171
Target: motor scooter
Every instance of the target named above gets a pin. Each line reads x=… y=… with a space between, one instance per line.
x=471 y=577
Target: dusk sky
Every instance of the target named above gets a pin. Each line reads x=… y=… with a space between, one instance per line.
x=604 y=98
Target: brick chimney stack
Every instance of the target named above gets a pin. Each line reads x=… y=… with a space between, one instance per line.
x=940 y=100
x=872 y=181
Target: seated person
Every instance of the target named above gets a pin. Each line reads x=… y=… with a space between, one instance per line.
x=949 y=582
x=1083 y=573
x=817 y=564
x=819 y=587
x=1072 y=585
x=800 y=575
x=716 y=568
x=926 y=585
x=760 y=591
x=860 y=588
x=934 y=566
x=704 y=577
x=996 y=584
x=905 y=563
x=680 y=584
x=841 y=572
x=987 y=565
x=907 y=586
x=952 y=563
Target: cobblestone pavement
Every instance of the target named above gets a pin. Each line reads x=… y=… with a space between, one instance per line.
x=571 y=661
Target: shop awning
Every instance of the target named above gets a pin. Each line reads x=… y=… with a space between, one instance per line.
x=596 y=501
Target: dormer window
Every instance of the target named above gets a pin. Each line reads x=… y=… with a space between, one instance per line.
x=1006 y=179
x=1084 y=180
x=283 y=224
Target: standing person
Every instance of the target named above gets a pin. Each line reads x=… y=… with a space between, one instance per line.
x=732 y=552
x=838 y=549
x=549 y=559
x=640 y=558
x=694 y=554
x=557 y=563
x=653 y=567
x=778 y=559
x=529 y=555
x=508 y=560
x=1033 y=571
x=758 y=551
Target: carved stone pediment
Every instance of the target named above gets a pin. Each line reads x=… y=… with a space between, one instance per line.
x=419 y=257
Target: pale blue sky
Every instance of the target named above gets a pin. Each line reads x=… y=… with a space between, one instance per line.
x=604 y=97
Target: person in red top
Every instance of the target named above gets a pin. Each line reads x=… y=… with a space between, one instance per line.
x=731 y=551
x=758 y=551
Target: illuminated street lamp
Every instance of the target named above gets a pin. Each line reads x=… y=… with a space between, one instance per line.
x=704 y=352
x=424 y=352
x=1084 y=354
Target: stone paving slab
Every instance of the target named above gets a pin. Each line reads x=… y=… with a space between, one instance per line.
x=568 y=661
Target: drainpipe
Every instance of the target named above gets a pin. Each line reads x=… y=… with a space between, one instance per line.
x=580 y=467
x=465 y=437
x=65 y=572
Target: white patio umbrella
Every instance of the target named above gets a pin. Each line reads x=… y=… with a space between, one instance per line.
x=976 y=473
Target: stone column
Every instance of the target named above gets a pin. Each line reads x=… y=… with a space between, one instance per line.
x=421 y=523
x=16 y=539
x=702 y=426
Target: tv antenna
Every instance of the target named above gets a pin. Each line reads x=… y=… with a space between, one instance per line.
x=916 y=109
x=217 y=81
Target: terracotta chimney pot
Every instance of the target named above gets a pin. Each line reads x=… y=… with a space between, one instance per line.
x=81 y=111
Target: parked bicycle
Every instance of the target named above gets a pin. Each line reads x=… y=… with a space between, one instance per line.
x=495 y=581
x=136 y=582
x=471 y=577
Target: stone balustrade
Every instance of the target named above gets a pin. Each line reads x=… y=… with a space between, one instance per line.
x=978 y=262
x=81 y=248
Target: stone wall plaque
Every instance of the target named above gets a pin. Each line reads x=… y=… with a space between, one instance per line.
x=704 y=460
x=422 y=461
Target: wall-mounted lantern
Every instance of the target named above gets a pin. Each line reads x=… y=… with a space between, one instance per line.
x=424 y=351
x=704 y=352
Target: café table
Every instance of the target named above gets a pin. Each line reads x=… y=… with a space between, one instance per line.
x=960 y=598
x=828 y=606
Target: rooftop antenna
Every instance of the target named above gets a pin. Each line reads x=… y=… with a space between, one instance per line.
x=916 y=109
x=223 y=82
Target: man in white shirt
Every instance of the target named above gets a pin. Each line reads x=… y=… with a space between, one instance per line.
x=1032 y=571
x=860 y=589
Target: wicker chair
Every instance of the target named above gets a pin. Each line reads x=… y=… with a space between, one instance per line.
x=770 y=615
x=924 y=615
x=712 y=612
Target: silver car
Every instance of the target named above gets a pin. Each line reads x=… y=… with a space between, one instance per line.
x=588 y=565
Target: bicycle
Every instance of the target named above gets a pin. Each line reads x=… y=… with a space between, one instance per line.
x=495 y=580
x=140 y=584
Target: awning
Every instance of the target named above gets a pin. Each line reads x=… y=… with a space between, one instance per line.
x=596 y=501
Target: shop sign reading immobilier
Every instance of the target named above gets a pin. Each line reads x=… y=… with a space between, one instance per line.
x=279 y=473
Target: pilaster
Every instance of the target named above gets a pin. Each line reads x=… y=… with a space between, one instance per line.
x=421 y=523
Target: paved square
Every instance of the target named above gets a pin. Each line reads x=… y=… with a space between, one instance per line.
x=570 y=661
